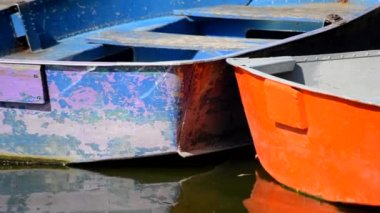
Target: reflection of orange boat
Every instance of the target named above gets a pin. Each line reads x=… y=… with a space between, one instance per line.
x=316 y=122
x=268 y=196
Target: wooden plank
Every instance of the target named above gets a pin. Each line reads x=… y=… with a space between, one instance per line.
x=172 y=41
x=8 y=3
x=308 y=12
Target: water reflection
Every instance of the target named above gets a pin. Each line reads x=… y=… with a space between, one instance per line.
x=234 y=184
x=269 y=196
x=73 y=190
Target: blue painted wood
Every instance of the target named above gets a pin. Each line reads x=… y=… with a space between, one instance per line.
x=46 y=21
x=76 y=48
x=8 y=40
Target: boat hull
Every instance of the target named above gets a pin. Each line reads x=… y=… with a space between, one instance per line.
x=98 y=113
x=312 y=142
x=329 y=152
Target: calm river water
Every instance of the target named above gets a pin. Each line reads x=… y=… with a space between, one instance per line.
x=227 y=182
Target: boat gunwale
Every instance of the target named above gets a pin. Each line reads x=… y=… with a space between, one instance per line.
x=197 y=61
x=167 y=63
x=310 y=59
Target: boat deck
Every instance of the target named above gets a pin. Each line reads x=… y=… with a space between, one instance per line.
x=227 y=18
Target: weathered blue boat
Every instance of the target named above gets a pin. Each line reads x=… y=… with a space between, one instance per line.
x=91 y=80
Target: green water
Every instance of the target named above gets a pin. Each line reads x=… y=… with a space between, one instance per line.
x=227 y=182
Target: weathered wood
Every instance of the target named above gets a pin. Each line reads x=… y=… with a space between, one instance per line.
x=172 y=41
x=317 y=11
x=8 y=3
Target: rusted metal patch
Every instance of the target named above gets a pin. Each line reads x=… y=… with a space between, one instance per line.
x=21 y=84
x=214 y=118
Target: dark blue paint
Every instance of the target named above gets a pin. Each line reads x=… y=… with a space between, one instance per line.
x=159 y=54
x=76 y=48
x=184 y=26
x=43 y=30
x=239 y=28
x=8 y=42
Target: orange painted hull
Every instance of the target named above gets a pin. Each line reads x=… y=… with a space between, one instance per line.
x=318 y=144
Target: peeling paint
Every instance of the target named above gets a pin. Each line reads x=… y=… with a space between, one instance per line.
x=125 y=112
x=98 y=114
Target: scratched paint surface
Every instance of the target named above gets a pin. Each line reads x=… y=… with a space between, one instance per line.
x=99 y=113
x=95 y=114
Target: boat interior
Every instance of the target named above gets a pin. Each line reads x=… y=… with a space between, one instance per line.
x=353 y=75
x=158 y=30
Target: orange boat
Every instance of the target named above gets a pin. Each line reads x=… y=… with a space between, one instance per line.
x=315 y=122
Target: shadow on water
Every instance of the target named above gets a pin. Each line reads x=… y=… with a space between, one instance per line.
x=225 y=182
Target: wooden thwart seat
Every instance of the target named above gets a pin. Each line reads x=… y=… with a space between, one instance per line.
x=306 y=12
x=9 y=3
x=172 y=41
